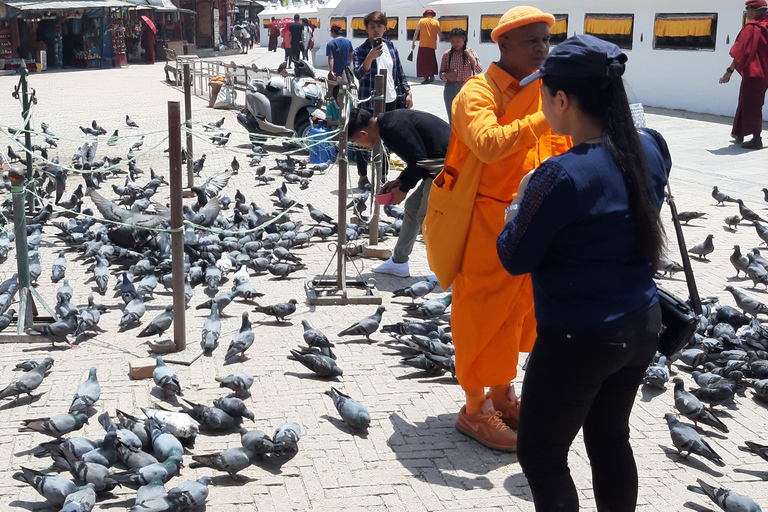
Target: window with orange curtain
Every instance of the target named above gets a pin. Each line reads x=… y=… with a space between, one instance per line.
x=315 y=22
x=690 y=31
x=411 y=22
x=559 y=31
x=341 y=22
x=448 y=23
x=358 y=28
x=614 y=28
x=488 y=22
x=391 y=33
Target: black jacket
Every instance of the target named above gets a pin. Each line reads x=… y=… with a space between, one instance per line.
x=414 y=135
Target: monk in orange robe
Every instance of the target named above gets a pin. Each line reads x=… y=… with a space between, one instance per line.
x=501 y=124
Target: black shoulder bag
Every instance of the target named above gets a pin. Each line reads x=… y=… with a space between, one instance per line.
x=678 y=317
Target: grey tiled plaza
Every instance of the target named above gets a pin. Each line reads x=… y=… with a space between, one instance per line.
x=412 y=458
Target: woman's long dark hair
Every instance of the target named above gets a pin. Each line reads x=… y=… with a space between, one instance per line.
x=604 y=99
x=458 y=32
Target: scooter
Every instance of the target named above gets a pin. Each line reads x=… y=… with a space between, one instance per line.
x=272 y=108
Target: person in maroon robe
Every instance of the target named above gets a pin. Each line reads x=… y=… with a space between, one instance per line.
x=148 y=43
x=273 y=33
x=750 y=60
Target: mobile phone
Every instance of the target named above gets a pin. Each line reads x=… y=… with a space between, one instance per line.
x=377 y=42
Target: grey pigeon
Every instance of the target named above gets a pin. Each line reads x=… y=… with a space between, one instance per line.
x=419 y=289
x=704 y=248
x=231 y=461
x=116 y=213
x=748 y=214
x=739 y=261
x=165 y=378
x=762 y=232
x=686 y=439
x=692 y=408
x=53 y=488
x=164 y=444
x=132 y=313
x=657 y=375
x=221 y=301
x=732 y=221
x=257 y=441
x=756 y=273
x=242 y=340
x=130 y=122
x=432 y=308
x=727 y=500
x=82 y=500
x=159 y=324
x=286 y=438
x=279 y=311
x=211 y=419
x=749 y=305
x=318 y=216
x=59 y=331
x=34 y=363
x=366 y=326
x=314 y=337
x=322 y=365
x=92 y=473
x=59 y=267
x=354 y=414
x=87 y=393
x=162 y=472
x=686 y=217
x=151 y=498
x=56 y=426
x=211 y=331
x=721 y=197
x=238 y=382
x=720 y=391
x=234 y=407
x=760 y=450
x=190 y=495
x=284 y=269
x=28 y=382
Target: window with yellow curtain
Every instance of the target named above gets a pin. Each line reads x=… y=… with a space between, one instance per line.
x=614 y=28
x=342 y=22
x=315 y=22
x=411 y=22
x=690 y=31
x=358 y=28
x=559 y=31
x=448 y=23
x=488 y=22
x=391 y=33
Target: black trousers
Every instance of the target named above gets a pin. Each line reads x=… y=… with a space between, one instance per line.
x=363 y=155
x=589 y=380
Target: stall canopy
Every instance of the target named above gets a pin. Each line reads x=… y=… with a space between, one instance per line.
x=61 y=5
x=157 y=5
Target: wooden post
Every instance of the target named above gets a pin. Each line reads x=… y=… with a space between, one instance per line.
x=377 y=163
x=177 y=237
x=341 y=236
x=188 y=118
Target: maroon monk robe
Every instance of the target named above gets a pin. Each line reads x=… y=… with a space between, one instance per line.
x=750 y=54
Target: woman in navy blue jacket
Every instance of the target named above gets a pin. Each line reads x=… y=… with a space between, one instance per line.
x=586 y=227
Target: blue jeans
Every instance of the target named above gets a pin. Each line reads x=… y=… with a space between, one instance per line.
x=584 y=379
x=413 y=217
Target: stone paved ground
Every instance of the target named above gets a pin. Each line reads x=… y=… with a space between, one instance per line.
x=412 y=457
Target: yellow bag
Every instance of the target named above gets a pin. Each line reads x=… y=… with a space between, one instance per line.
x=451 y=201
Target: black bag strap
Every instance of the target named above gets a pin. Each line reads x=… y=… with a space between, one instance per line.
x=693 y=291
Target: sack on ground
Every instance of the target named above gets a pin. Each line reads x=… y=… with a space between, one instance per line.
x=225 y=98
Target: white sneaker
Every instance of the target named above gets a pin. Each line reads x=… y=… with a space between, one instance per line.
x=392 y=268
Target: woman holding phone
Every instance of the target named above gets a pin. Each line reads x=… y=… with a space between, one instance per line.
x=374 y=54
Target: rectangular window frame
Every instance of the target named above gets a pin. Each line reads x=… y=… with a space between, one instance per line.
x=445 y=35
x=355 y=23
x=485 y=34
x=690 y=42
x=558 y=38
x=409 y=22
x=392 y=33
x=343 y=22
x=623 y=41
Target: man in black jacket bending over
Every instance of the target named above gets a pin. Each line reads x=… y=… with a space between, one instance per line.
x=411 y=135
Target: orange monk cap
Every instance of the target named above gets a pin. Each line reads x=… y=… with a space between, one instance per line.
x=518 y=17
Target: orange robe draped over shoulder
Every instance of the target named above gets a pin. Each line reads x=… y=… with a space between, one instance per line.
x=492 y=318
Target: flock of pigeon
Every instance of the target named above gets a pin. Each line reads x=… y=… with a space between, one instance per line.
x=125 y=245
x=727 y=356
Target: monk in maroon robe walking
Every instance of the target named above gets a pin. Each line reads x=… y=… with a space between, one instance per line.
x=148 y=43
x=750 y=60
x=273 y=33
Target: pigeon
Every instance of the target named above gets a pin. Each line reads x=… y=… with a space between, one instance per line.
x=686 y=217
x=720 y=391
x=82 y=500
x=686 y=439
x=704 y=248
x=667 y=266
x=431 y=308
x=366 y=326
x=33 y=363
x=235 y=407
x=137 y=145
x=164 y=444
x=130 y=122
x=53 y=488
x=286 y=438
x=739 y=261
x=419 y=289
x=422 y=362
x=258 y=441
x=198 y=164
x=732 y=221
x=748 y=214
x=322 y=365
x=279 y=311
x=87 y=394
x=238 y=382
x=132 y=313
x=756 y=273
x=749 y=305
x=690 y=407
x=721 y=197
x=213 y=125
x=758 y=449
x=657 y=375
x=354 y=414
x=161 y=471
x=211 y=331
x=29 y=381
x=165 y=378
x=159 y=324
x=242 y=341
x=727 y=500
x=56 y=426
x=221 y=301
x=761 y=232
x=282 y=270
x=113 y=139
x=190 y=495
x=211 y=419
x=314 y=337
x=115 y=213
x=59 y=331
x=231 y=461
x=318 y=216
x=59 y=267
x=234 y=165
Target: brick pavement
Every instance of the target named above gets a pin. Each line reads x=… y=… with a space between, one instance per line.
x=412 y=457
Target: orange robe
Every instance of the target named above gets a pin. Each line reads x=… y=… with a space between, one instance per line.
x=492 y=318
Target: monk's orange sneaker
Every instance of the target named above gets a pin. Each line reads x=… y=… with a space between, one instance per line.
x=487 y=428
x=509 y=409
